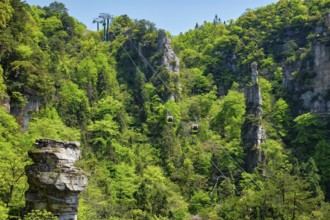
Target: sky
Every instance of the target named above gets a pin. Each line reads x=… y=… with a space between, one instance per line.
x=174 y=16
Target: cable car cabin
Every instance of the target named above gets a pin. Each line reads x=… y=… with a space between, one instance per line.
x=169 y=119
x=194 y=129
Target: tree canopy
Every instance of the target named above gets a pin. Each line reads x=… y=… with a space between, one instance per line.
x=113 y=97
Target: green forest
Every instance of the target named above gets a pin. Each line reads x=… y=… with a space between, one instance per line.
x=116 y=97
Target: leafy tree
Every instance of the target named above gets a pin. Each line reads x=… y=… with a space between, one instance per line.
x=230 y=118
x=51 y=25
x=87 y=75
x=93 y=201
x=161 y=198
x=321 y=157
x=124 y=187
x=7 y=10
x=3 y=211
x=310 y=130
x=107 y=83
x=102 y=133
x=282 y=117
x=48 y=124
x=13 y=159
x=57 y=8
x=274 y=197
x=39 y=215
x=200 y=200
x=309 y=172
x=73 y=107
x=2 y=85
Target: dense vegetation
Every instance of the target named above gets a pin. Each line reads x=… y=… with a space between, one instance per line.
x=140 y=167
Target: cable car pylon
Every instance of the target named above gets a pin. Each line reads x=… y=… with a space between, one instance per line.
x=105 y=19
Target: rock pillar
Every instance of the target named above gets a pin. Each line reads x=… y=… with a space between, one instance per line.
x=253 y=134
x=54 y=181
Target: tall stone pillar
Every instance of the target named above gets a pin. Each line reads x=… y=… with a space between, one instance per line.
x=253 y=134
x=54 y=181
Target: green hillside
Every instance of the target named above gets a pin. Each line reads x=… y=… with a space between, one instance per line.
x=65 y=82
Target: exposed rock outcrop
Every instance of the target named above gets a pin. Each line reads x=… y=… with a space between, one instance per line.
x=320 y=102
x=309 y=81
x=4 y=102
x=54 y=181
x=253 y=134
x=23 y=114
x=170 y=61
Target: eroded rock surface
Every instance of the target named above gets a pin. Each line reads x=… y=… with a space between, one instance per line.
x=308 y=82
x=23 y=114
x=4 y=102
x=253 y=133
x=170 y=61
x=54 y=181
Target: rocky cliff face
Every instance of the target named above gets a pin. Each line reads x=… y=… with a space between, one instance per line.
x=54 y=181
x=23 y=114
x=311 y=88
x=253 y=134
x=169 y=60
x=320 y=102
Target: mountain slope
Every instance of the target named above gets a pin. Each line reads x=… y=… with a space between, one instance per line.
x=64 y=82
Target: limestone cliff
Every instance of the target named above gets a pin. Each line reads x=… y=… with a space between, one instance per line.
x=23 y=114
x=169 y=60
x=253 y=133
x=308 y=81
x=54 y=181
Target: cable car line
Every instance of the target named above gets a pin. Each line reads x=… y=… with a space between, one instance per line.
x=239 y=166
x=166 y=85
x=169 y=117
x=148 y=63
x=216 y=167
